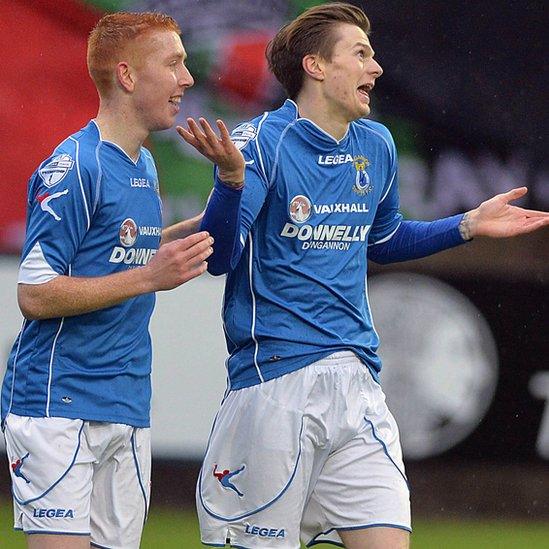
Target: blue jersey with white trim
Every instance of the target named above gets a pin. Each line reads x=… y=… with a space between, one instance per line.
x=310 y=207
x=92 y=211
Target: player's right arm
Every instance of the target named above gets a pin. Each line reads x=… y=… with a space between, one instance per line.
x=174 y=264
x=232 y=207
x=63 y=198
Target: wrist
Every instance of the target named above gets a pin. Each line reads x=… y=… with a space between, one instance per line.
x=466 y=225
x=235 y=180
x=145 y=280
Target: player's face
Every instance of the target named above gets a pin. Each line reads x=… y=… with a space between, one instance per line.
x=161 y=79
x=350 y=75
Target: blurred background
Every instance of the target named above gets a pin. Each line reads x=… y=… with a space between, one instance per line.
x=464 y=334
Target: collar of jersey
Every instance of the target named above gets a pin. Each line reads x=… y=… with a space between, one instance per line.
x=117 y=147
x=313 y=128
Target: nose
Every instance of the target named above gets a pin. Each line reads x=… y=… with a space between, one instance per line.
x=186 y=79
x=376 y=69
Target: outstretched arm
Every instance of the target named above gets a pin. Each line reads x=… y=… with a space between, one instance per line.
x=493 y=218
x=497 y=218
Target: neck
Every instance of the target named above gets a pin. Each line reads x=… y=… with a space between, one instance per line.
x=118 y=125
x=317 y=111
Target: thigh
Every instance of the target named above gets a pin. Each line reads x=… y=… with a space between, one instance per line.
x=375 y=538
x=362 y=485
x=256 y=472
x=121 y=485
x=51 y=472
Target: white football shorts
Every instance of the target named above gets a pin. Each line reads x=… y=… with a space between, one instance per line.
x=74 y=477
x=301 y=457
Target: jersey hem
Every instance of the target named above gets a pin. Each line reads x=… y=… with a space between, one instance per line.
x=85 y=416
x=268 y=375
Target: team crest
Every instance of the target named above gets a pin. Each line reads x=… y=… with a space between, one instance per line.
x=300 y=208
x=243 y=134
x=362 y=184
x=128 y=232
x=56 y=169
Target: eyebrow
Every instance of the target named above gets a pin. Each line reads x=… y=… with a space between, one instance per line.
x=179 y=55
x=367 y=47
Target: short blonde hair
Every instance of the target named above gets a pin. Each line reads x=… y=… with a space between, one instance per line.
x=110 y=37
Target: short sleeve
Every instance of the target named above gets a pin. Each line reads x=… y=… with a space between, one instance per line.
x=62 y=195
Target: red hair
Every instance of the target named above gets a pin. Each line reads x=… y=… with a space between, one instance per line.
x=110 y=37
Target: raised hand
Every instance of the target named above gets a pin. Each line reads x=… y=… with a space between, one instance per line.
x=179 y=261
x=499 y=219
x=220 y=150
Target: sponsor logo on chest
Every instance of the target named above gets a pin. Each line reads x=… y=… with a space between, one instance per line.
x=324 y=236
x=128 y=234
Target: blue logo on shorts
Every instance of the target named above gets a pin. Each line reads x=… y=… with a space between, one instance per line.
x=263 y=532
x=225 y=477
x=53 y=513
x=16 y=468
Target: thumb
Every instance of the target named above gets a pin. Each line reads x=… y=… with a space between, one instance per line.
x=514 y=194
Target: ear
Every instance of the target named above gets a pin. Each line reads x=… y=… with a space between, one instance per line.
x=125 y=76
x=313 y=65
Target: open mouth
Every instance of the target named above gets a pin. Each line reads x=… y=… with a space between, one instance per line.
x=364 y=91
x=175 y=100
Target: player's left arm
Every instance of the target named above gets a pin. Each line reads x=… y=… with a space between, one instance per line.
x=182 y=229
x=495 y=218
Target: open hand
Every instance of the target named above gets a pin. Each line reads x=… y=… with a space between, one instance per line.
x=498 y=218
x=220 y=150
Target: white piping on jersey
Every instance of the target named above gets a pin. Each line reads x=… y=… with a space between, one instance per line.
x=256 y=350
x=50 y=369
x=390 y=154
x=389 y=187
x=80 y=181
x=369 y=309
x=277 y=151
x=99 y=175
x=15 y=365
x=225 y=326
x=386 y=238
x=262 y=165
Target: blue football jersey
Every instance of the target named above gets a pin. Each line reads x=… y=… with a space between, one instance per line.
x=310 y=208
x=92 y=211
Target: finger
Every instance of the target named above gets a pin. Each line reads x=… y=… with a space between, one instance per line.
x=195 y=272
x=513 y=194
x=187 y=136
x=223 y=131
x=535 y=213
x=196 y=130
x=198 y=253
x=191 y=240
x=210 y=134
x=531 y=226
